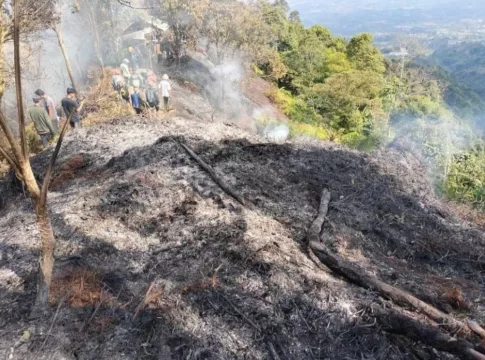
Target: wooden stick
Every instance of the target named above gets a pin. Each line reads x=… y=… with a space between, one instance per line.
x=316 y=227
x=168 y=247
x=273 y=352
x=222 y=184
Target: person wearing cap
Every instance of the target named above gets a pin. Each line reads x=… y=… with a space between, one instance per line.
x=166 y=88
x=50 y=107
x=72 y=108
x=41 y=120
x=135 y=56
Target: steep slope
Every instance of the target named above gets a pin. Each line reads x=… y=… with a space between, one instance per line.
x=156 y=262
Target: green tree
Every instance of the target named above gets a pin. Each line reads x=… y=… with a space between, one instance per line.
x=231 y=27
x=349 y=101
x=294 y=17
x=336 y=62
x=364 y=55
x=307 y=62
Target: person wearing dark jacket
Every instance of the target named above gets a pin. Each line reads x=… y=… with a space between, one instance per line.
x=153 y=99
x=42 y=122
x=72 y=108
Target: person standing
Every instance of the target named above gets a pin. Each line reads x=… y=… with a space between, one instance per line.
x=117 y=81
x=136 y=100
x=166 y=89
x=153 y=99
x=42 y=122
x=72 y=108
x=49 y=106
x=135 y=56
x=125 y=70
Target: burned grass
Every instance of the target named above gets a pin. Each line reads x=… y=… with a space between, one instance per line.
x=173 y=268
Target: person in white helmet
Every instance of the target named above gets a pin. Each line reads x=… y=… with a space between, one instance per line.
x=166 y=88
x=125 y=70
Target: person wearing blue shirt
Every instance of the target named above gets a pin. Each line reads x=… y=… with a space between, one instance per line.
x=136 y=101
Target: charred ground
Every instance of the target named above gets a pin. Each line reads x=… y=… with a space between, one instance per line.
x=156 y=262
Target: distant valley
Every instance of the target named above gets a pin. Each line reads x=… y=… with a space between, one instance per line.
x=431 y=18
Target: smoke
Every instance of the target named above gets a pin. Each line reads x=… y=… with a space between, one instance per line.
x=276 y=132
x=43 y=64
x=226 y=88
x=437 y=141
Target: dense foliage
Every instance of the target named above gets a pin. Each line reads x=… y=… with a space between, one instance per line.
x=346 y=91
x=344 y=86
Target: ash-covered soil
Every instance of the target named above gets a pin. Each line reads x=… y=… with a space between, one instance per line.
x=156 y=262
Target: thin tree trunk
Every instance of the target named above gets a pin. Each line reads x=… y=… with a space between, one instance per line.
x=29 y=180
x=62 y=45
x=46 y=260
x=2 y=60
x=18 y=81
x=97 y=41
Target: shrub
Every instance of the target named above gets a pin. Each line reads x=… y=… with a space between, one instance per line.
x=315 y=131
x=465 y=182
x=294 y=107
x=33 y=140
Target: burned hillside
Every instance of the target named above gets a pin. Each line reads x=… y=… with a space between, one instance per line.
x=155 y=261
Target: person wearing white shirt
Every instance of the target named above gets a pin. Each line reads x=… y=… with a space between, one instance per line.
x=125 y=70
x=166 y=88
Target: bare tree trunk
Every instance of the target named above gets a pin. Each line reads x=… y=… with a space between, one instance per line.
x=2 y=60
x=46 y=260
x=18 y=81
x=62 y=45
x=97 y=41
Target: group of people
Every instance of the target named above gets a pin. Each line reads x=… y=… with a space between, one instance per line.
x=45 y=116
x=139 y=87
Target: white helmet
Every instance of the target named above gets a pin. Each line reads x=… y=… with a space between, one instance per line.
x=126 y=61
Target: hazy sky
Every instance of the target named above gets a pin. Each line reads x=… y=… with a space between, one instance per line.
x=350 y=16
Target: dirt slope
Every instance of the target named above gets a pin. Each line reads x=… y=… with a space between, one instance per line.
x=155 y=262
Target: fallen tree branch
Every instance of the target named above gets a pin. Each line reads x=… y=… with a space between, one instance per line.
x=249 y=321
x=167 y=247
x=398 y=296
x=477 y=329
x=273 y=352
x=222 y=184
x=316 y=227
x=395 y=322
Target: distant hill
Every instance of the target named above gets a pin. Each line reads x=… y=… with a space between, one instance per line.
x=465 y=101
x=466 y=62
x=353 y=16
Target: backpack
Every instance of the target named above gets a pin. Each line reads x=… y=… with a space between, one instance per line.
x=151 y=95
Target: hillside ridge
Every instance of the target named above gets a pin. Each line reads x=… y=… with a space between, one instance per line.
x=155 y=259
